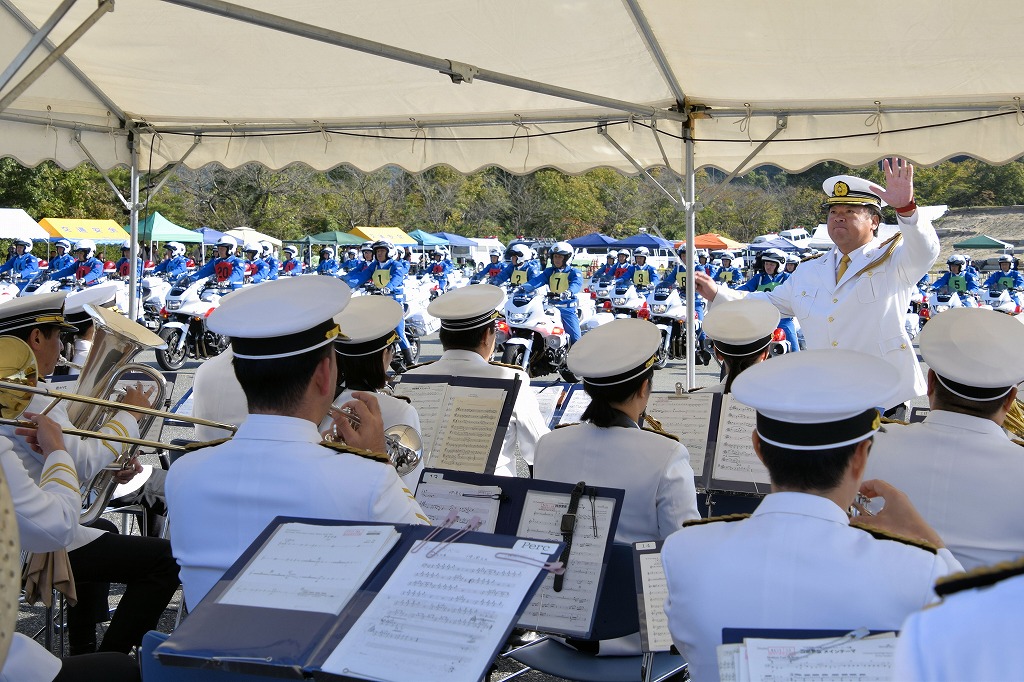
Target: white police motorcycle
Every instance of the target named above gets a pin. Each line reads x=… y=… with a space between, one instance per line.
x=532 y=336
x=185 y=329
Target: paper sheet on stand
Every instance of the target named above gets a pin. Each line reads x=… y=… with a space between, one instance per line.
x=437 y=497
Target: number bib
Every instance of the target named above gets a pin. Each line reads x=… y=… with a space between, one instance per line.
x=381 y=278
x=223 y=270
x=1006 y=282
x=681 y=279
x=725 y=276
x=958 y=283
x=558 y=282
x=124 y=269
x=82 y=271
x=518 y=277
x=767 y=286
x=641 y=278
x=289 y=266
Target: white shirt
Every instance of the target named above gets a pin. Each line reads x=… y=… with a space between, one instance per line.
x=217 y=396
x=795 y=563
x=863 y=312
x=526 y=425
x=221 y=497
x=972 y=635
x=964 y=476
x=653 y=470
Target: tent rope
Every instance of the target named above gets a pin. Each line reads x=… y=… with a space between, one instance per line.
x=875 y=120
x=1019 y=113
x=744 y=123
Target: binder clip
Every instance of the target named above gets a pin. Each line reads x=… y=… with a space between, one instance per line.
x=473 y=524
x=448 y=522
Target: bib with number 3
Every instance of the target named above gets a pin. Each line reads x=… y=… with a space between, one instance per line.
x=558 y=282
x=641 y=278
x=381 y=278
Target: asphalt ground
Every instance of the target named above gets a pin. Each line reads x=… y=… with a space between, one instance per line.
x=31 y=618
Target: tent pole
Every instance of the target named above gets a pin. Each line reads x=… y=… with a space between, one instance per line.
x=25 y=83
x=690 y=205
x=169 y=173
x=37 y=38
x=133 y=271
x=780 y=125
x=96 y=165
x=603 y=130
x=654 y=47
x=457 y=71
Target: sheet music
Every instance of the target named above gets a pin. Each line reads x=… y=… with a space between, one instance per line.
x=654 y=622
x=310 y=568
x=429 y=401
x=570 y=611
x=439 y=618
x=735 y=459
x=547 y=399
x=438 y=497
x=688 y=417
x=786 y=660
x=467 y=429
x=577 y=403
x=728 y=661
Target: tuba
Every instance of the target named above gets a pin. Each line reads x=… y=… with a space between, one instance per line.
x=1014 y=421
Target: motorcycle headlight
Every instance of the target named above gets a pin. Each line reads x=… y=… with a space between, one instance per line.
x=660 y=308
x=619 y=301
x=173 y=305
x=518 y=317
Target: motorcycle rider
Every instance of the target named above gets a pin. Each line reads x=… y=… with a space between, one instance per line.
x=352 y=261
x=24 y=265
x=1006 y=277
x=958 y=279
x=767 y=278
x=520 y=269
x=63 y=257
x=640 y=274
x=327 y=265
x=440 y=267
x=88 y=269
x=608 y=269
x=228 y=267
x=704 y=261
x=727 y=274
x=273 y=264
x=367 y=260
x=792 y=260
x=174 y=264
x=490 y=272
x=123 y=265
x=387 y=274
x=622 y=266
x=677 y=278
x=563 y=281
x=256 y=267
x=292 y=266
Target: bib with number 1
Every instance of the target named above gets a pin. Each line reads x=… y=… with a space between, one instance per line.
x=381 y=277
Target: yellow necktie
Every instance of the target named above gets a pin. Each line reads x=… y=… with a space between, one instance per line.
x=844 y=263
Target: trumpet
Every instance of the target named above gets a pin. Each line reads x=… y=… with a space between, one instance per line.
x=404 y=445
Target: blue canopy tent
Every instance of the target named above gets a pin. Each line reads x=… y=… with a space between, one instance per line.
x=454 y=239
x=426 y=239
x=643 y=239
x=594 y=239
x=210 y=235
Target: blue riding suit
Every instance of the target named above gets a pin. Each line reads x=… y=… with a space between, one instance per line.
x=440 y=270
x=60 y=262
x=351 y=264
x=490 y=273
x=762 y=281
x=291 y=268
x=90 y=271
x=559 y=281
x=603 y=272
x=964 y=283
x=641 y=276
x=709 y=268
x=230 y=270
x=387 y=275
x=327 y=267
x=123 y=266
x=262 y=270
x=677 y=277
x=518 y=275
x=273 y=267
x=174 y=267
x=1006 y=280
x=731 y=277
x=25 y=266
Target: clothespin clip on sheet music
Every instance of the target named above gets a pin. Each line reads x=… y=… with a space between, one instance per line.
x=556 y=567
x=448 y=522
x=473 y=524
x=853 y=636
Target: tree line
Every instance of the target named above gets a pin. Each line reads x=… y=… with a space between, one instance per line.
x=298 y=200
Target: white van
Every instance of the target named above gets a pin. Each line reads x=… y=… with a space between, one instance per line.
x=797 y=235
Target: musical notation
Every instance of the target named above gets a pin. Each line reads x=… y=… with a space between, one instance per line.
x=446 y=616
x=574 y=406
x=687 y=417
x=735 y=458
x=428 y=399
x=845 y=659
x=570 y=611
x=438 y=497
x=547 y=399
x=310 y=568
x=653 y=621
x=467 y=429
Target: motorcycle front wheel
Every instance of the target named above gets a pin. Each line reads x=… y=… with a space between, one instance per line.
x=514 y=355
x=170 y=358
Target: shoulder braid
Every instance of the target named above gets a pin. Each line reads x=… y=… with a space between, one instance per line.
x=982 y=576
x=886 y=535
x=368 y=454
x=715 y=519
x=192 y=447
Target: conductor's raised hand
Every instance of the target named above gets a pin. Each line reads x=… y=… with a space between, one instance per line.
x=706 y=286
x=899 y=516
x=899 y=183
x=369 y=434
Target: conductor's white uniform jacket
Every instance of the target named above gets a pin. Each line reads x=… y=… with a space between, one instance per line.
x=47 y=516
x=526 y=425
x=866 y=309
x=221 y=497
x=951 y=458
x=653 y=470
x=795 y=563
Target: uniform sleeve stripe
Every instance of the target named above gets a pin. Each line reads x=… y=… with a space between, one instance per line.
x=59 y=465
x=60 y=481
x=117 y=427
x=421 y=516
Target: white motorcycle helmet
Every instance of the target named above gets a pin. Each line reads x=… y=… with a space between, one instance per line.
x=727 y=255
x=775 y=256
x=327 y=252
x=957 y=259
x=351 y=253
x=290 y=251
x=563 y=249
x=641 y=252
x=437 y=251
x=267 y=248
x=228 y=242
x=21 y=241
x=87 y=245
x=251 y=247
x=522 y=251
x=176 y=248
x=386 y=245
x=63 y=243
x=612 y=254
x=495 y=251
x=703 y=253
x=1005 y=258
x=127 y=244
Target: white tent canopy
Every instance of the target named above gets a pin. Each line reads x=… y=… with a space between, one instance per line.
x=14 y=222
x=942 y=72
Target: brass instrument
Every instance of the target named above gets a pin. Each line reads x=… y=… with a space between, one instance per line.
x=404 y=445
x=653 y=423
x=1014 y=421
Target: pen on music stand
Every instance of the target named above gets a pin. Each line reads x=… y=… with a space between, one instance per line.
x=556 y=567
x=484 y=496
x=473 y=524
x=448 y=522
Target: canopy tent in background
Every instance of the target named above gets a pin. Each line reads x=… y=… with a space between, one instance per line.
x=15 y=222
x=337 y=238
x=712 y=240
x=643 y=239
x=394 y=235
x=156 y=228
x=73 y=229
x=592 y=240
x=455 y=239
x=210 y=235
x=426 y=239
x=983 y=241
x=248 y=234
x=776 y=242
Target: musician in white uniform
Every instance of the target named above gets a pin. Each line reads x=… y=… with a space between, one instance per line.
x=958 y=467
x=742 y=332
x=610 y=449
x=855 y=297
x=797 y=562
x=365 y=350
x=974 y=634
x=97 y=556
x=467 y=334
x=221 y=497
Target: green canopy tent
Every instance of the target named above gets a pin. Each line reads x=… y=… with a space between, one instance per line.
x=156 y=228
x=337 y=238
x=983 y=241
x=426 y=239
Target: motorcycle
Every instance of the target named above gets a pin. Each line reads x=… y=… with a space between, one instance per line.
x=184 y=328
x=531 y=336
x=1000 y=300
x=626 y=300
x=600 y=293
x=155 y=289
x=667 y=310
x=413 y=329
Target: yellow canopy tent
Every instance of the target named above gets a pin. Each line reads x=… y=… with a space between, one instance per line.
x=73 y=229
x=395 y=235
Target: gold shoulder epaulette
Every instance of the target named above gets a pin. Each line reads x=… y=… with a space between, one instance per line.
x=891 y=243
x=886 y=420
x=368 y=454
x=192 y=447
x=402 y=397
x=504 y=364
x=1018 y=441
x=715 y=519
x=420 y=364
x=661 y=433
x=886 y=535
x=561 y=426
x=979 y=577
x=812 y=257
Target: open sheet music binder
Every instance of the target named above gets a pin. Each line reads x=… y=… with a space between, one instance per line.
x=651 y=592
x=463 y=420
x=534 y=508
x=551 y=397
x=485 y=580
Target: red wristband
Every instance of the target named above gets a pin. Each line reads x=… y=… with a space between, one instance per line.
x=909 y=208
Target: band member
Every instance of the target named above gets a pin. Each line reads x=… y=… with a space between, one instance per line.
x=275 y=463
x=742 y=334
